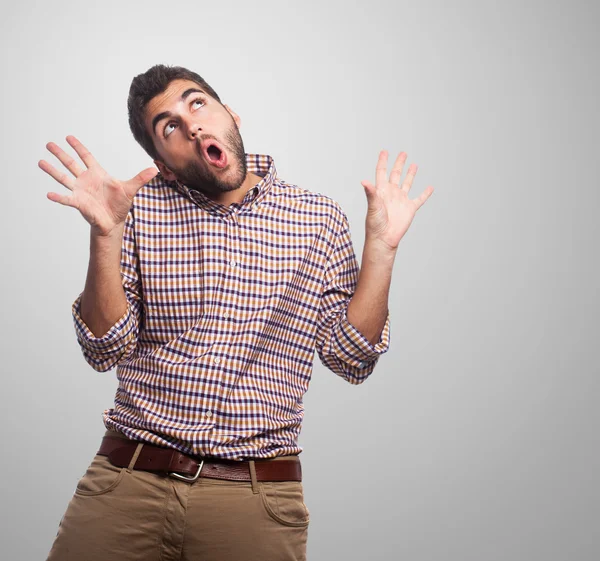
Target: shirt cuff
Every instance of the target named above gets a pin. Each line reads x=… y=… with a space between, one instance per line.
x=110 y=341
x=361 y=352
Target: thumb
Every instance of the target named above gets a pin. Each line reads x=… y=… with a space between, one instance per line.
x=137 y=182
x=369 y=189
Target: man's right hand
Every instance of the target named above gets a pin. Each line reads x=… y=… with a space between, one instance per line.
x=102 y=200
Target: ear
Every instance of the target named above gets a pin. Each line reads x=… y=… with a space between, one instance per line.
x=165 y=171
x=237 y=120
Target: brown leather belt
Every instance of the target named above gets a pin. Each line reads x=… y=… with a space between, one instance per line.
x=172 y=462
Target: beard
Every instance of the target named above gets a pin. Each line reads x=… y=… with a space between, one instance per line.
x=200 y=175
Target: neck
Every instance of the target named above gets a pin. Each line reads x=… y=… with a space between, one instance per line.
x=238 y=195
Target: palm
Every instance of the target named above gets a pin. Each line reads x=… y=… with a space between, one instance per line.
x=390 y=211
x=102 y=200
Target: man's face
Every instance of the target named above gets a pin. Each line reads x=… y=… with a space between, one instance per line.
x=197 y=138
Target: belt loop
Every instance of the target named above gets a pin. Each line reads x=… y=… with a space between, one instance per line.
x=253 y=476
x=134 y=458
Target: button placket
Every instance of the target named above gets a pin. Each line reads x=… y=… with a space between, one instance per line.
x=233 y=263
x=230 y=285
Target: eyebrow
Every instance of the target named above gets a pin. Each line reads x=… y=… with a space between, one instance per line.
x=166 y=114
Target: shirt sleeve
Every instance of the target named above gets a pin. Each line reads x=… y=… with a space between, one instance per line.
x=341 y=347
x=120 y=341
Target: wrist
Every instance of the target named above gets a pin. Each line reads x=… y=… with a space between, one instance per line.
x=378 y=250
x=108 y=237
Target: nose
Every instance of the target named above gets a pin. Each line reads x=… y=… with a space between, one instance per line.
x=193 y=128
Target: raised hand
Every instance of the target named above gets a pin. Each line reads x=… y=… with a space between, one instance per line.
x=390 y=211
x=102 y=200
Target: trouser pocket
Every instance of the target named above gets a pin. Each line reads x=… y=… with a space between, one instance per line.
x=101 y=477
x=284 y=502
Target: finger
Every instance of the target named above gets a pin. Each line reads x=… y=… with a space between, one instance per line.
x=381 y=169
x=369 y=189
x=368 y=185
x=62 y=178
x=65 y=159
x=410 y=175
x=65 y=200
x=396 y=172
x=423 y=197
x=82 y=151
x=135 y=183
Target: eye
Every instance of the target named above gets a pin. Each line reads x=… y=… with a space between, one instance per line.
x=166 y=130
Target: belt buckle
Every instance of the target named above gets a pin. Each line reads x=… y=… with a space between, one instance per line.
x=185 y=478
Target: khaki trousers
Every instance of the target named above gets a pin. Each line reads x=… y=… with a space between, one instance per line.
x=125 y=514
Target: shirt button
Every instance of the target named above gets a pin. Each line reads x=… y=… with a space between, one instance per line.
x=208 y=413
x=216 y=360
x=232 y=263
x=225 y=315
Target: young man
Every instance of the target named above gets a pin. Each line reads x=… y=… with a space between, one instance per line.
x=211 y=283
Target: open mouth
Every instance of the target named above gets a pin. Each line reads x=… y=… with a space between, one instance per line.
x=214 y=154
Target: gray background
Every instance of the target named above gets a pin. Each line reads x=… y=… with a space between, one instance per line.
x=476 y=436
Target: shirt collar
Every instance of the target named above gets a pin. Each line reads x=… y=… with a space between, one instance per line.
x=260 y=164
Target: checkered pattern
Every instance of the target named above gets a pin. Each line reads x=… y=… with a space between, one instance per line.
x=226 y=307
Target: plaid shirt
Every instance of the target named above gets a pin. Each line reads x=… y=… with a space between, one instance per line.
x=226 y=307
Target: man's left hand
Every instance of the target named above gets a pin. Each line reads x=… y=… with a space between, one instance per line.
x=390 y=211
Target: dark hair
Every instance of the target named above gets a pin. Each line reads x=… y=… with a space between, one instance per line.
x=148 y=85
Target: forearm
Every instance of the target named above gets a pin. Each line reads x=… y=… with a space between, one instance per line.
x=103 y=299
x=368 y=308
